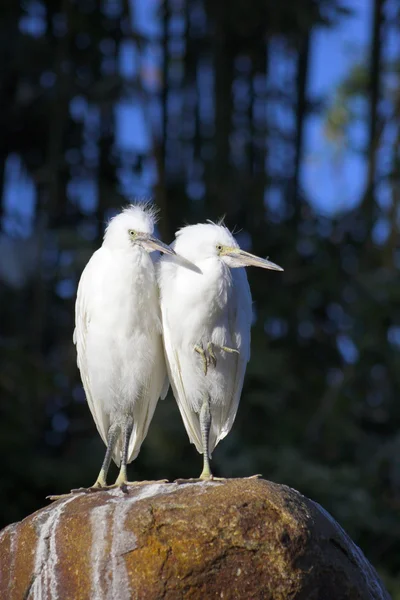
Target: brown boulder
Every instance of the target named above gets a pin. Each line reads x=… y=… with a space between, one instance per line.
x=244 y=538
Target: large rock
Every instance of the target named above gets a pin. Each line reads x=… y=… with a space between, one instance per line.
x=243 y=539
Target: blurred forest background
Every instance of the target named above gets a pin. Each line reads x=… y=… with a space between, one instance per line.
x=250 y=108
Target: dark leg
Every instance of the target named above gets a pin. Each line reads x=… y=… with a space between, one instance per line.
x=113 y=434
x=205 y=424
x=100 y=482
x=127 y=431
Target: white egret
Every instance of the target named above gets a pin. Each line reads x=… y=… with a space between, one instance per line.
x=118 y=336
x=206 y=329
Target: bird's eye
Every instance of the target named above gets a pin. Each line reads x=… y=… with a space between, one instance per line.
x=132 y=233
x=219 y=247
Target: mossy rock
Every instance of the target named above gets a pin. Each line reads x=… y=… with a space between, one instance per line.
x=239 y=539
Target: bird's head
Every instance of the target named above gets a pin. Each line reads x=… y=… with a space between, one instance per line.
x=211 y=240
x=134 y=227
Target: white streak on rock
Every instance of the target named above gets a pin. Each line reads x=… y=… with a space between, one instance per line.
x=140 y=492
x=122 y=541
x=110 y=562
x=125 y=541
x=115 y=584
x=99 y=526
x=44 y=586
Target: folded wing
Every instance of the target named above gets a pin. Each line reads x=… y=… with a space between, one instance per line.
x=223 y=416
x=83 y=313
x=239 y=319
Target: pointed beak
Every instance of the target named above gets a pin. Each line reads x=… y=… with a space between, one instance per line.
x=180 y=260
x=250 y=260
x=151 y=243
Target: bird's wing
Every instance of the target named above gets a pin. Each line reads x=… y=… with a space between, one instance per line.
x=155 y=257
x=146 y=404
x=83 y=310
x=165 y=388
x=239 y=318
x=189 y=417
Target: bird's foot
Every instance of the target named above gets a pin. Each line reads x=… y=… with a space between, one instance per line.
x=190 y=480
x=147 y=482
x=229 y=350
x=58 y=496
x=206 y=475
x=200 y=479
x=208 y=355
x=81 y=490
x=212 y=478
x=100 y=485
x=212 y=359
x=125 y=485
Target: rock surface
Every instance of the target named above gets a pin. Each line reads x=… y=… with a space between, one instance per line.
x=240 y=539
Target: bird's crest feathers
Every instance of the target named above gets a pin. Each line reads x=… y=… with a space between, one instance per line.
x=144 y=205
x=140 y=216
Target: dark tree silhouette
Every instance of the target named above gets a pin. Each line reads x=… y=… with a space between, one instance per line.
x=220 y=99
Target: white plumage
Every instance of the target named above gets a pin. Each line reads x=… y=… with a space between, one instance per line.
x=118 y=335
x=211 y=306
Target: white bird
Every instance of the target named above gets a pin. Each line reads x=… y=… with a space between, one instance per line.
x=118 y=336
x=206 y=330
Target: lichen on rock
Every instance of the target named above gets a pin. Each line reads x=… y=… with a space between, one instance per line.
x=243 y=538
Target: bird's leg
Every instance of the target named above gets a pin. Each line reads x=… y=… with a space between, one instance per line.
x=112 y=438
x=205 y=425
x=122 y=478
x=101 y=481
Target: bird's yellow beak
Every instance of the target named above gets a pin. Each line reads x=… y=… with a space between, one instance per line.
x=152 y=244
x=247 y=259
